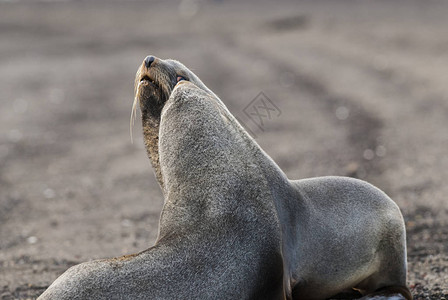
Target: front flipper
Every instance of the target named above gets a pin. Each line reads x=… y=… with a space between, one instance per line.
x=347 y=295
x=390 y=293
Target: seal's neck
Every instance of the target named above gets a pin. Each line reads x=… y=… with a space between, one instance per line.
x=210 y=167
x=150 y=126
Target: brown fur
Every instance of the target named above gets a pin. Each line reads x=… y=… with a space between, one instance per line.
x=151 y=134
x=151 y=115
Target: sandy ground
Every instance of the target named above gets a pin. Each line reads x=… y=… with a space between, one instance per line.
x=361 y=88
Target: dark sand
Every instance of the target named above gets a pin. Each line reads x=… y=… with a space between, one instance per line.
x=362 y=87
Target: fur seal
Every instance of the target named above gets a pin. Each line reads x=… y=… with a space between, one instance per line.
x=233 y=226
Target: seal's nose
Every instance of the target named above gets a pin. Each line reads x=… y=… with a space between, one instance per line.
x=149 y=60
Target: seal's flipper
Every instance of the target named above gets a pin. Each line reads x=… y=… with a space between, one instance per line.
x=347 y=294
x=390 y=293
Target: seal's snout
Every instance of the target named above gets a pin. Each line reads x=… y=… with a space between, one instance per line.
x=149 y=60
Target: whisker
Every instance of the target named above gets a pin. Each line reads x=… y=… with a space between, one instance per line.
x=133 y=115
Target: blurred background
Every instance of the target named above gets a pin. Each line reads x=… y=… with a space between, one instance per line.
x=358 y=88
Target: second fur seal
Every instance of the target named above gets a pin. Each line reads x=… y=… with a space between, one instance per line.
x=233 y=226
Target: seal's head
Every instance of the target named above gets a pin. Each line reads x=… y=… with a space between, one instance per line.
x=156 y=79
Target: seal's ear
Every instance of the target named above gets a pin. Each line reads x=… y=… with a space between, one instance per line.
x=180 y=78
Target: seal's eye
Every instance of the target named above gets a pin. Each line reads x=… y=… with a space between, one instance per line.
x=180 y=78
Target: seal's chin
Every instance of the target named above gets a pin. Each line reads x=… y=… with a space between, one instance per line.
x=150 y=96
x=152 y=90
x=147 y=87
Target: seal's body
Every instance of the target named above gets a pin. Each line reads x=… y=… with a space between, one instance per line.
x=233 y=226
